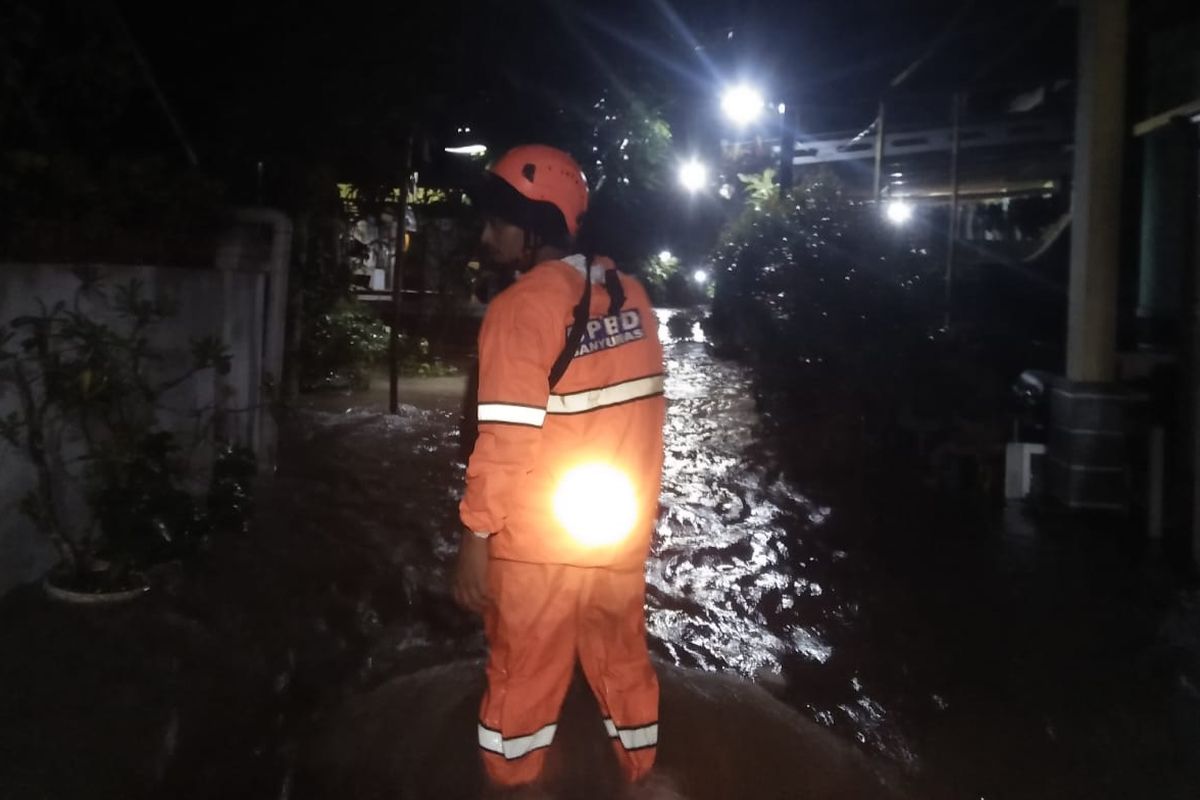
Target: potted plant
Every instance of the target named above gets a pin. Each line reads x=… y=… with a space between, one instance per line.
x=91 y=384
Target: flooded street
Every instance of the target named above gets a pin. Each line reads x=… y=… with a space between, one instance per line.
x=904 y=260
x=981 y=655
x=812 y=642
x=745 y=570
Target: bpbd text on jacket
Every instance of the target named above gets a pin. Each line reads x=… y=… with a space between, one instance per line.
x=605 y=333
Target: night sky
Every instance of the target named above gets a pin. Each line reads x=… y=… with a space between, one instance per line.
x=269 y=75
x=335 y=86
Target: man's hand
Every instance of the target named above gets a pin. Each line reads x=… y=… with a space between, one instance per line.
x=470 y=574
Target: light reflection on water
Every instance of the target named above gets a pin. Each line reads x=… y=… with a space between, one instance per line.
x=855 y=626
x=732 y=580
x=723 y=594
x=739 y=576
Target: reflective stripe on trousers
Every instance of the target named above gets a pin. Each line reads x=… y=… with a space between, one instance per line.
x=633 y=738
x=543 y=618
x=517 y=747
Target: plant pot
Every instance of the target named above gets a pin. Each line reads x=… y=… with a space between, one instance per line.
x=95 y=587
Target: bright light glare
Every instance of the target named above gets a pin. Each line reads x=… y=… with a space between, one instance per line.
x=700 y=277
x=664 y=255
x=596 y=504
x=742 y=104
x=899 y=212
x=468 y=150
x=693 y=175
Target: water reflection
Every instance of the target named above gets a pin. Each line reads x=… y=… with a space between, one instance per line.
x=872 y=625
x=740 y=576
x=723 y=592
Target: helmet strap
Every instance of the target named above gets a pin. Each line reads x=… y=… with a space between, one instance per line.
x=532 y=245
x=536 y=249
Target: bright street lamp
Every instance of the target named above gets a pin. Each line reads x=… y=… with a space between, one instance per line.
x=473 y=150
x=700 y=277
x=693 y=175
x=664 y=255
x=742 y=104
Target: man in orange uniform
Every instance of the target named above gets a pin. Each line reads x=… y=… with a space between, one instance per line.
x=562 y=485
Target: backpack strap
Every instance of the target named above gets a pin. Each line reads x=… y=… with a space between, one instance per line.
x=578 y=326
x=616 y=294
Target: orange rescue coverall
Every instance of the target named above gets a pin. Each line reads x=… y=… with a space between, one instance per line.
x=554 y=599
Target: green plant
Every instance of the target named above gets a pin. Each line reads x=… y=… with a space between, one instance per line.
x=658 y=269
x=344 y=345
x=91 y=372
x=841 y=315
x=761 y=188
x=230 y=502
x=623 y=143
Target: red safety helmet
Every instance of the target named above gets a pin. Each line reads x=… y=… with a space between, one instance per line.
x=539 y=188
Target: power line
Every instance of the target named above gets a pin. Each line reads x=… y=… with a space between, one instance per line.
x=935 y=45
x=148 y=76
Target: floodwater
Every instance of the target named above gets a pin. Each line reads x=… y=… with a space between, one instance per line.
x=813 y=641
x=976 y=652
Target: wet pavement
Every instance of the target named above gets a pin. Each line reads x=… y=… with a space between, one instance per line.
x=974 y=652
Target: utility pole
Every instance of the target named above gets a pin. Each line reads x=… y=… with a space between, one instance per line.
x=398 y=279
x=879 y=154
x=787 y=151
x=952 y=227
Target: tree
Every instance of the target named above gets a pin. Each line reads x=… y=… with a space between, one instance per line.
x=623 y=144
x=840 y=314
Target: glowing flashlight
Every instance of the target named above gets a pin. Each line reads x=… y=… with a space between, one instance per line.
x=899 y=212
x=596 y=504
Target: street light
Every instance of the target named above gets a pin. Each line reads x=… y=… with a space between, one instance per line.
x=899 y=212
x=693 y=175
x=664 y=255
x=473 y=150
x=700 y=277
x=742 y=104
